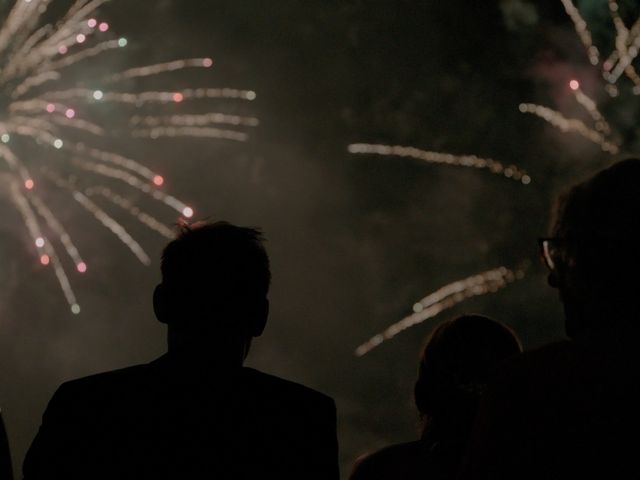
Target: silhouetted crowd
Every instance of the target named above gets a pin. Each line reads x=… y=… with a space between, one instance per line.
x=487 y=410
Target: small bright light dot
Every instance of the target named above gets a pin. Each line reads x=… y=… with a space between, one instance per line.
x=39 y=242
x=526 y=179
x=51 y=108
x=81 y=37
x=44 y=259
x=27 y=1
x=75 y=309
x=58 y=143
x=97 y=95
x=92 y=22
x=28 y=184
x=70 y=113
x=187 y=212
x=207 y=62
x=6 y=138
x=178 y=97
x=82 y=267
x=417 y=307
x=103 y=27
x=122 y=42
x=574 y=85
x=251 y=95
x=158 y=180
x=62 y=49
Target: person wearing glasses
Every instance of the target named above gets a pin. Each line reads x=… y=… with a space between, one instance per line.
x=572 y=409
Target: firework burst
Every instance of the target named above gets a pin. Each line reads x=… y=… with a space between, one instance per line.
x=616 y=65
x=41 y=127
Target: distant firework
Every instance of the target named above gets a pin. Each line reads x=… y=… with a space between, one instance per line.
x=454 y=293
x=612 y=68
x=41 y=109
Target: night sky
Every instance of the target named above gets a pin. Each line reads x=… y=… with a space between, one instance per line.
x=354 y=241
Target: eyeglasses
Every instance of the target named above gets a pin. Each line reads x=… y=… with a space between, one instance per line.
x=550 y=252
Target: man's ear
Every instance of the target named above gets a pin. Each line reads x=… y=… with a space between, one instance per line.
x=161 y=303
x=259 y=320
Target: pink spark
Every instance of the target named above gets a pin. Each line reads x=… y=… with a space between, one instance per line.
x=574 y=85
x=158 y=180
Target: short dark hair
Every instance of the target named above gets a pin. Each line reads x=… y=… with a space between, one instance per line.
x=223 y=258
x=598 y=222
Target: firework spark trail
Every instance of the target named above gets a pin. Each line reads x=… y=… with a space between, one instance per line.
x=627 y=50
x=101 y=216
x=632 y=39
x=198 y=132
x=14 y=163
x=85 y=54
x=57 y=228
x=119 y=160
x=162 y=68
x=127 y=205
x=570 y=125
x=45 y=249
x=32 y=82
x=136 y=183
x=194 y=120
x=79 y=124
x=117 y=229
x=139 y=99
x=582 y=30
x=444 y=298
x=592 y=108
x=512 y=172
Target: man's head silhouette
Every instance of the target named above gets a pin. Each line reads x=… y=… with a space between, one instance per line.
x=213 y=294
x=594 y=252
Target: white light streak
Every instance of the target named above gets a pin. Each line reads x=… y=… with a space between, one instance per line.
x=471 y=161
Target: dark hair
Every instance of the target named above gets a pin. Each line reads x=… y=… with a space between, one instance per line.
x=598 y=222
x=221 y=258
x=457 y=361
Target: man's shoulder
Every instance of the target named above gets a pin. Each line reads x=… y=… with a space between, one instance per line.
x=286 y=388
x=394 y=460
x=540 y=358
x=98 y=382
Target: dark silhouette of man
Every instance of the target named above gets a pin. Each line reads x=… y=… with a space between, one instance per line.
x=195 y=412
x=5 y=454
x=572 y=409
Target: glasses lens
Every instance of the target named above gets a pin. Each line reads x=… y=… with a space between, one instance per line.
x=548 y=254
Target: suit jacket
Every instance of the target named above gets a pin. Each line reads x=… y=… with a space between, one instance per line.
x=160 y=420
x=567 y=410
x=5 y=456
